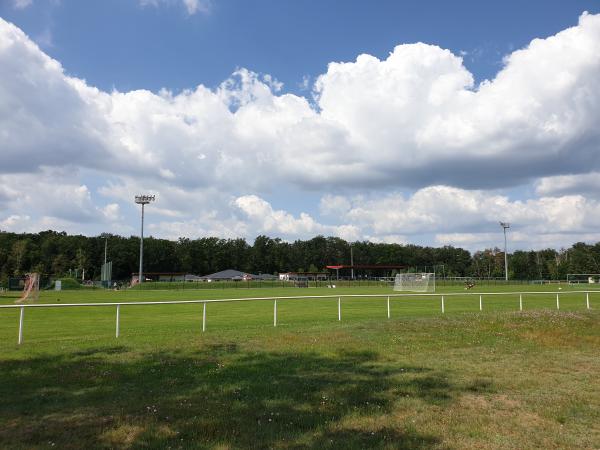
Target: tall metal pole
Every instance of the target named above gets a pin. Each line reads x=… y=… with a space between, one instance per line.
x=351 y=262
x=142 y=200
x=103 y=272
x=140 y=278
x=504 y=226
x=505 y=258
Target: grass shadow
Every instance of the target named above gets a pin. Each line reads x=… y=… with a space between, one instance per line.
x=221 y=395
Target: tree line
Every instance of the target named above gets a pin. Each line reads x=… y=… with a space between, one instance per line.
x=57 y=254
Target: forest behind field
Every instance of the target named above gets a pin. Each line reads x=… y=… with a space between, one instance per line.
x=57 y=254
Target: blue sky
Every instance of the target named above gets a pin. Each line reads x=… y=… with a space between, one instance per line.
x=377 y=138
x=128 y=45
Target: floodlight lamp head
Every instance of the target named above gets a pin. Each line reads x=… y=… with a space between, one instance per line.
x=144 y=199
x=505 y=225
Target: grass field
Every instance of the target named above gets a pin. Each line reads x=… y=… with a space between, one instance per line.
x=499 y=378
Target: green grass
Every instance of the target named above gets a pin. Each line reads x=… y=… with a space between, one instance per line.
x=466 y=379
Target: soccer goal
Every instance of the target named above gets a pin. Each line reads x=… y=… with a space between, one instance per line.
x=415 y=282
x=31 y=289
x=583 y=278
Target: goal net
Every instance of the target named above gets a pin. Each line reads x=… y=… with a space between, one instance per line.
x=414 y=282
x=31 y=289
x=583 y=278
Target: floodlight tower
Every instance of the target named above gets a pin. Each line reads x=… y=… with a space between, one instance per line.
x=142 y=200
x=505 y=226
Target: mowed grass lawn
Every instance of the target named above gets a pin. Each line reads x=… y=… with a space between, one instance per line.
x=499 y=378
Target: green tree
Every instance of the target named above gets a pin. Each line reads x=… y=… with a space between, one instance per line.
x=18 y=256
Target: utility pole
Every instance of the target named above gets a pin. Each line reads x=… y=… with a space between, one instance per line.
x=505 y=226
x=351 y=262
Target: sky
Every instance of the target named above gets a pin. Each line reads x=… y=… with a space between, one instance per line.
x=422 y=122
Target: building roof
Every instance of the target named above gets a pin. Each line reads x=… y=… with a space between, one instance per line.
x=232 y=274
x=228 y=274
x=191 y=277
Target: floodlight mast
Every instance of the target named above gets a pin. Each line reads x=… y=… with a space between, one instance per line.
x=505 y=226
x=142 y=200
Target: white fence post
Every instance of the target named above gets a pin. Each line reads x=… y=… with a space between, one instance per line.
x=21 y=324
x=117 y=321
x=275 y=299
x=520 y=302
x=388 y=306
x=587 y=300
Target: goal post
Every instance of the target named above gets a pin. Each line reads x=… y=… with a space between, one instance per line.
x=31 y=288
x=583 y=278
x=415 y=282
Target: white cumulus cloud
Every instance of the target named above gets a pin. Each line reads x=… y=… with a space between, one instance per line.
x=411 y=120
x=409 y=144
x=465 y=217
x=267 y=220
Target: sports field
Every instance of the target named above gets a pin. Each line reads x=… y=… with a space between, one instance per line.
x=421 y=379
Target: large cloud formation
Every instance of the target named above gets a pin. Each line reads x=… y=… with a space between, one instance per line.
x=414 y=121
